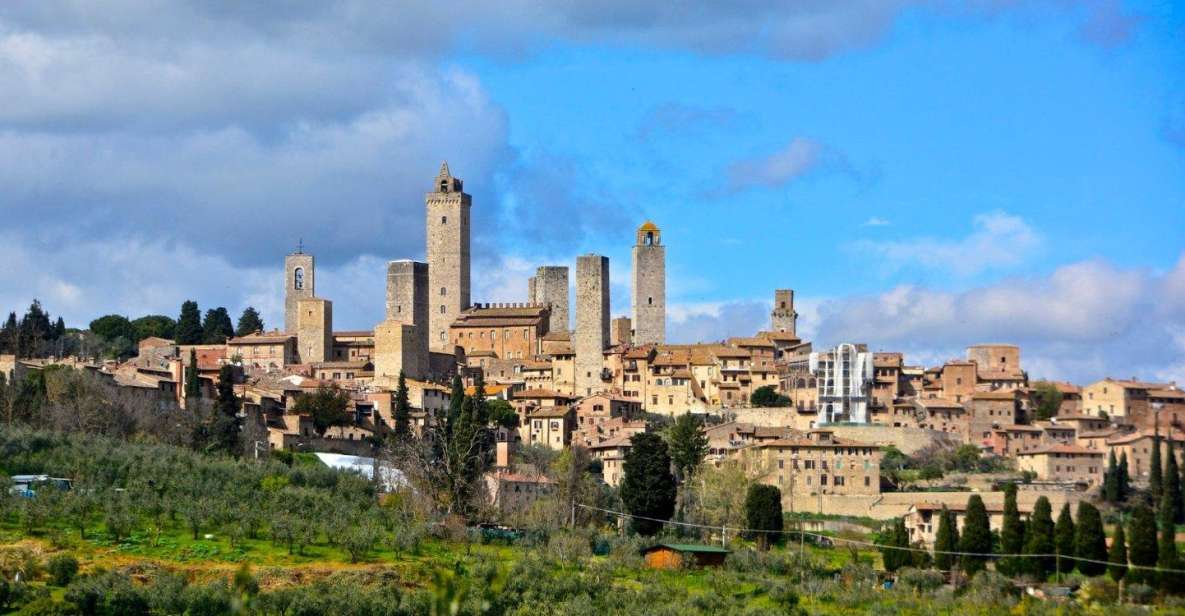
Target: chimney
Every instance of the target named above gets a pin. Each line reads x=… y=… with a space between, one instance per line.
x=504 y=450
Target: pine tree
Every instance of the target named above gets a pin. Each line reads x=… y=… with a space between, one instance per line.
x=216 y=327
x=946 y=541
x=59 y=328
x=1167 y=555
x=1155 y=478
x=688 y=444
x=189 y=324
x=249 y=322
x=1143 y=549
x=1172 y=485
x=193 y=388
x=647 y=487
x=1012 y=534
x=1117 y=555
x=1063 y=540
x=1124 y=478
x=1039 y=540
x=402 y=410
x=1090 y=542
x=9 y=335
x=977 y=536
x=1111 y=480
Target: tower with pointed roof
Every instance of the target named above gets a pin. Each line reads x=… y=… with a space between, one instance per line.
x=447 y=226
x=649 y=287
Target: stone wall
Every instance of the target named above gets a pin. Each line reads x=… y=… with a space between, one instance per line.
x=394 y=351
x=314 y=330
x=292 y=295
x=890 y=505
x=407 y=302
x=592 y=321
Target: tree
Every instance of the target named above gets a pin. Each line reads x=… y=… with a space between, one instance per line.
x=946 y=542
x=1090 y=542
x=326 y=407
x=1167 y=555
x=502 y=414
x=154 y=326
x=687 y=443
x=1123 y=479
x=977 y=536
x=189 y=324
x=1155 y=478
x=1049 y=400
x=402 y=411
x=1063 y=540
x=249 y=322
x=225 y=429
x=216 y=327
x=113 y=326
x=1039 y=540
x=1143 y=549
x=767 y=395
x=1117 y=556
x=1172 y=486
x=1111 y=479
x=894 y=552
x=647 y=486
x=1012 y=534
x=193 y=388
x=763 y=513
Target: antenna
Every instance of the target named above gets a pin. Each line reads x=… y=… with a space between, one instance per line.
x=300 y=246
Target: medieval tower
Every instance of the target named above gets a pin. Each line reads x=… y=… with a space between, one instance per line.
x=649 y=286
x=407 y=305
x=298 y=284
x=549 y=287
x=447 y=229
x=592 y=321
x=784 y=318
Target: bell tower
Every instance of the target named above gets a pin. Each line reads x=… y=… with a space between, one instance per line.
x=649 y=286
x=447 y=226
x=299 y=279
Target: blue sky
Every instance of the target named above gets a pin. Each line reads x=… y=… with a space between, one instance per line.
x=926 y=175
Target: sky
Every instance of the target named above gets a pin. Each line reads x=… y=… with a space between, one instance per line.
x=925 y=174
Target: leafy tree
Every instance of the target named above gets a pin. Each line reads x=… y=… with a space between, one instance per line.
x=977 y=536
x=1123 y=478
x=1117 y=555
x=1063 y=539
x=1049 y=400
x=326 y=407
x=647 y=486
x=1155 y=476
x=946 y=541
x=1167 y=555
x=402 y=411
x=1143 y=549
x=1012 y=534
x=893 y=556
x=1039 y=539
x=1090 y=542
x=687 y=443
x=767 y=395
x=62 y=568
x=359 y=539
x=154 y=326
x=113 y=326
x=249 y=322
x=1111 y=479
x=1172 y=486
x=189 y=324
x=763 y=513
x=216 y=327
x=502 y=414
x=193 y=387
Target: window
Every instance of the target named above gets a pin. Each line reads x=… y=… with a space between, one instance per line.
x=443 y=291
x=443 y=219
x=649 y=301
x=442 y=309
x=822 y=480
x=867 y=481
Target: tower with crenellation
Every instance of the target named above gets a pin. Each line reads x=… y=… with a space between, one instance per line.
x=447 y=231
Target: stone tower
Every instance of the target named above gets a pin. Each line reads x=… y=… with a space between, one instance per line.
x=448 y=256
x=314 y=330
x=592 y=321
x=784 y=318
x=649 y=286
x=407 y=303
x=550 y=288
x=621 y=331
x=299 y=277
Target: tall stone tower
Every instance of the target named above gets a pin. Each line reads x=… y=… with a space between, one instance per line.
x=299 y=277
x=649 y=286
x=407 y=304
x=448 y=256
x=784 y=318
x=592 y=321
x=550 y=288
x=314 y=330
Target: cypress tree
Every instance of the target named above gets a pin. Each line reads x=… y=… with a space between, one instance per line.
x=402 y=410
x=1155 y=476
x=189 y=324
x=216 y=327
x=977 y=536
x=947 y=540
x=1111 y=480
x=1090 y=543
x=1167 y=555
x=647 y=485
x=1172 y=485
x=1142 y=549
x=249 y=322
x=1117 y=556
x=1063 y=540
x=1039 y=540
x=226 y=421
x=896 y=537
x=193 y=388
x=59 y=328
x=763 y=512
x=1124 y=479
x=1012 y=534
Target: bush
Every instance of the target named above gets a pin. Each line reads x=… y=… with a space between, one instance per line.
x=990 y=588
x=1098 y=590
x=1141 y=594
x=920 y=580
x=62 y=568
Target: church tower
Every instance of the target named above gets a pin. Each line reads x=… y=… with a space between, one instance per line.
x=448 y=256
x=784 y=318
x=298 y=284
x=649 y=286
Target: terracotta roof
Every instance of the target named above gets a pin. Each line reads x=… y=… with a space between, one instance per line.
x=547 y=412
x=621 y=440
x=1061 y=386
x=751 y=342
x=1071 y=449
x=1079 y=417
x=356 y=333
x=558 y=336
x=1135 y=436
x=638 y=353
x=491 y=389
x=260 y=339
x=1049 y=425
x=1018 y=428
x=779 y=336
x=562 y=349
x=535 y=394
x=993 y=395
x=937 y=403
x=1134 y=384
x=1166 y=393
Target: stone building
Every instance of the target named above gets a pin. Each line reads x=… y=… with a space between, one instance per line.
x=649 y=286
x=1069 y=463
x=407 y=303
x=592 y=321
x=395 y=351
x=266 y=351
x=784 y=319
x=314 y=330
x=299 y=279
x=620 y=331
x=549 y=288
x=509 y=331
x=447 y=230
x=815 y=465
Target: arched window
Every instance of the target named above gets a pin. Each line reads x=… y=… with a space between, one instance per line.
x=443 y=337
x=649 y=238
x=444 y=220
x=298 y=278
x=442 y=309
x=443 y=291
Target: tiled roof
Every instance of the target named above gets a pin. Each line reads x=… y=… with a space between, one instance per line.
x=1070 y=449
x=534 y=394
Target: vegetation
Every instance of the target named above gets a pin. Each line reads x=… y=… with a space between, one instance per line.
x=249 y=322
x=648 y=487
x=326 y=407
x=1049 y=400
x=977 y=536
x=189 y=324
x=687 y=444
x=767 y=395
x=763 y=513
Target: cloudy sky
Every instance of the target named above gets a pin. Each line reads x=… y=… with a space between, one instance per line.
x=926 y=174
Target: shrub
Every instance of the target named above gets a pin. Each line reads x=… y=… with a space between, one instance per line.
x=62 y=568
x=1141 y=594
x=920 y=580
x=1098 y=591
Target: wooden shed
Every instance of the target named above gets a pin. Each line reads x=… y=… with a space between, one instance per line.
x=675 y=555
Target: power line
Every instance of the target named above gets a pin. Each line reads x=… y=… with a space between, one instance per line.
x=878 y=546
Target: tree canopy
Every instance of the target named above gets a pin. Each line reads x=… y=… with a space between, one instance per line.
x=647 y=487
x=767 y=395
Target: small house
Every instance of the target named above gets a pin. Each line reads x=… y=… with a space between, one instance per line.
x=676 y=555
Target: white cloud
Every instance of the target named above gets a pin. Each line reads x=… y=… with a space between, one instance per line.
x=715 y=321
x=998 y=240
x=876 y=221
x=798 y=158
